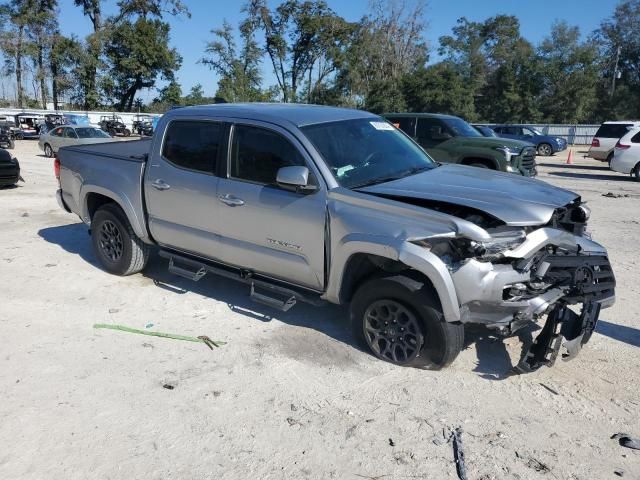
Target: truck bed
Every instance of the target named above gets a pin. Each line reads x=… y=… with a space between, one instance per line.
x=114 y=170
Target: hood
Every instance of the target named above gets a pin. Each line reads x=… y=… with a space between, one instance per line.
x=512 y=199
x=491 y=142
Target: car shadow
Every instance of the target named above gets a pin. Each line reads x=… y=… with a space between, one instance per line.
x=329 y=319
x=493 y=359
x=622 y=333
x=616 y=177
x=574 y=167
x=494 y=362
x=73 y=238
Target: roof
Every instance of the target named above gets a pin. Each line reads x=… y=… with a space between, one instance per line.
x=279 y=113
x=419 y=115
x=623 y=122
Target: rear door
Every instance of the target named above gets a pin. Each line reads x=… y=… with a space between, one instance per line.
x=512 y=132
x=180 y=186
x=69 y=137
x=432 y=134
x=265 y=228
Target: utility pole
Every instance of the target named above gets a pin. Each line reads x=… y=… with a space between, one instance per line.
x=615 y=72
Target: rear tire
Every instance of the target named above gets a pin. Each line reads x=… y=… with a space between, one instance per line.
x=115 y=243
x=635 y=173
x=127 y=132
x=48 y=151
x=545 y=150
x=609 y=159
x=12 y=144
x=399 y=319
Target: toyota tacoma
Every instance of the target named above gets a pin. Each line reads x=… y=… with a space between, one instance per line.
x=320 y=204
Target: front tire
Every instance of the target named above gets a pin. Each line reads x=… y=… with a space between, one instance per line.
x=48 y=151
x=545 y=150
x=399 y=319
x=12 y=144
x=127 y=132
x=115 y=244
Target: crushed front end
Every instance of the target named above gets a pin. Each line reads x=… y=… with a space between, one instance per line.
x=526 y=273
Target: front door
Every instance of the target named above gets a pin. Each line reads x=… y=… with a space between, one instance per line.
x=180 y=187
x=265 y=228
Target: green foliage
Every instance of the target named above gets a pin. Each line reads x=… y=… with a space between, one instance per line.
x=438 y=88
x=239 y=70
x=137 y=53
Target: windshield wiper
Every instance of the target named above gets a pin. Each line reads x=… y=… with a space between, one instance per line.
x=395 y=176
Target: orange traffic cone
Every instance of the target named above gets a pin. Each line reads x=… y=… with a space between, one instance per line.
x=570 y=157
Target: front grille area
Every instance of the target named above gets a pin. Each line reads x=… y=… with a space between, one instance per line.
x=528 y=158
x=589 y=277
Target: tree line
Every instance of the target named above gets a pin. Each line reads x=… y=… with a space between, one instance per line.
x=482 y=71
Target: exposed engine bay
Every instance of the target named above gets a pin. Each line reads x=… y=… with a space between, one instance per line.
x=525 y=273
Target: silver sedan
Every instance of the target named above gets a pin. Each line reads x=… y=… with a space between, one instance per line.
x=66 y=135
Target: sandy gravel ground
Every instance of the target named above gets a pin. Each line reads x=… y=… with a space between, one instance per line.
x=289 y=396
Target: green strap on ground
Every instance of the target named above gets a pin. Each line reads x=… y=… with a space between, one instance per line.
x=201 y=339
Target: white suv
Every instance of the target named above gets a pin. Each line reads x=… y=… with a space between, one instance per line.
x=626 y=157
x=606 y=137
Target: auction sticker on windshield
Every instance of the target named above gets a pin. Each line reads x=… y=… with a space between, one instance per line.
x=382 y=126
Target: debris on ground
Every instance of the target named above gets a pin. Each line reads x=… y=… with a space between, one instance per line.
x=549 y=388
x=626 y=440
x=148 y=325
x=114 y=310
x=391 y=443
x=168 y=386
x=201 y=339
x=458 y=453
x=615 y=195
x=619 y=473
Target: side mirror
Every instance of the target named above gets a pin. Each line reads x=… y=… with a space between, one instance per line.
x=295 y=178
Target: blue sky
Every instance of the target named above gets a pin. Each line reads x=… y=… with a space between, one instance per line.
x=189 y=35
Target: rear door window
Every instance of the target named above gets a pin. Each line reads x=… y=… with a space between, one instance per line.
x=192 y=144
x=612 y=130
x=406 y=124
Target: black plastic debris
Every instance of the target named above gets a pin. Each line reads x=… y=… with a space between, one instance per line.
x=458 y=453
x=626 y=440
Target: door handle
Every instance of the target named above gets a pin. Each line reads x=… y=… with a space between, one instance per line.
x=230 y=200
x=160 y=185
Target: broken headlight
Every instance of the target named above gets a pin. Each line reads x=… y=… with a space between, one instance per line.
x=501 y=241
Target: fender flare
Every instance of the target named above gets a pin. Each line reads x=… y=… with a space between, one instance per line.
x=123 y=202
x=414 y=256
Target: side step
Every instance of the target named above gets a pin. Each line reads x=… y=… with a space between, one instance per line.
x=194 y=275
x=263 y=290
x=279 y=304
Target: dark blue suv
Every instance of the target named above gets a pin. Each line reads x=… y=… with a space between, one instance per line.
x=546 y=145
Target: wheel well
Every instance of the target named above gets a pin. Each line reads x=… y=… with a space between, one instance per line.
x=489 y=163
x=95 y=201
x=363 y=266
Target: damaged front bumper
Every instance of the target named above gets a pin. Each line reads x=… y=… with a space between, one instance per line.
x=551 y=270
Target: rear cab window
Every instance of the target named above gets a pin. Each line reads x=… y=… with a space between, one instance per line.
x=636 y=138
x=193 y=144
x=612 y=130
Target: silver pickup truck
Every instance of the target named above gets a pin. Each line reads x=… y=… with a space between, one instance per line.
x=320 y=204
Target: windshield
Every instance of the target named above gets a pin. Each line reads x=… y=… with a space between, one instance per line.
x=461 y=128
x=367 y=151
x=87 y=132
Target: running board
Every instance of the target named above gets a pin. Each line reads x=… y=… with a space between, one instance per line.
x=263 y=290
x=194 y=275
x=279 y=304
